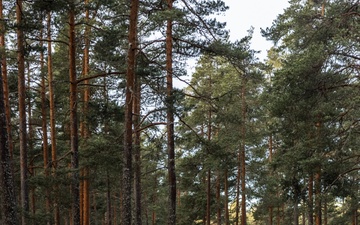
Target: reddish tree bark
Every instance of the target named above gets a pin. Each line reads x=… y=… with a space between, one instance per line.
x=24 y=192
x=85 y=132
x=74 y=136
x=128 y=145
x=8 y=198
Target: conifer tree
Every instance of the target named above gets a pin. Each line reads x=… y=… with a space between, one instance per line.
x=128 y=144
x=10 y=211
x=24 y=192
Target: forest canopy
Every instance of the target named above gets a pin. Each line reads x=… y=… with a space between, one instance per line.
x=94 y=129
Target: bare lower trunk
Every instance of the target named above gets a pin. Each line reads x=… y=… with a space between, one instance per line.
x=85 y=131
x=318 y=196
x=8 y=198
x=226 y=190
x=310 y=203
x=24 y=192
x=128 y=146
x=218 y=199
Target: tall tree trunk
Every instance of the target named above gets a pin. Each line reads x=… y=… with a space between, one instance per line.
x=208 y=180
x=8 y=198
x=271 y=207
x=52 y=115
x=310 y=203
x=242 y=154
x=73 y=119
x=318 y=196
x=128 y=145
x=170 y=120
x=296 y=210
x=237 y=198
x=208 y=197
x=326 y=211
x=218 y=198
x=24 y=192
x=226 y=190
x=108 y=200
x=137 y=92
x=5 y=80
x=317 y=178
x=44 y=129
x=85 y=131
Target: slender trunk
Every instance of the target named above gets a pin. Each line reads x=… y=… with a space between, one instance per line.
x=317 y=179
x=73 y=120
x=5 y=80
x=318 y=196
x=218 y=199
x=310 y=203
x=130 y=78
x=8 y=198
x=52 y=116
x=237 y=203
x=303 y=218
x=85 y=131
x=355 y=217
x=226 y=190
x=108 y=200
x=271 y=207
x=154 y=201
x=326 y=211
x=323 y=8
x=242 y=154
x=170 y=120
x=24 y=192
x=296 y=211
x=208 y=180
x=95 y=210
x=137 y=177
x=208 y=197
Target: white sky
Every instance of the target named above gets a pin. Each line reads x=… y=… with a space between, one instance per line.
x=257 y=13
x=239 y=18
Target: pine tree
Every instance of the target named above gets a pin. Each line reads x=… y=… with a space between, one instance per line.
x=9 y=205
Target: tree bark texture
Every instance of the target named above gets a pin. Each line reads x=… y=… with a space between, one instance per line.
x=74 y=136
x=170 y=119
x=85 y=131
x=24 y=192
x=128 y=145
x=8 y=198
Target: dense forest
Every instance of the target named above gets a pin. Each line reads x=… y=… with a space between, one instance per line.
x=94 y=128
